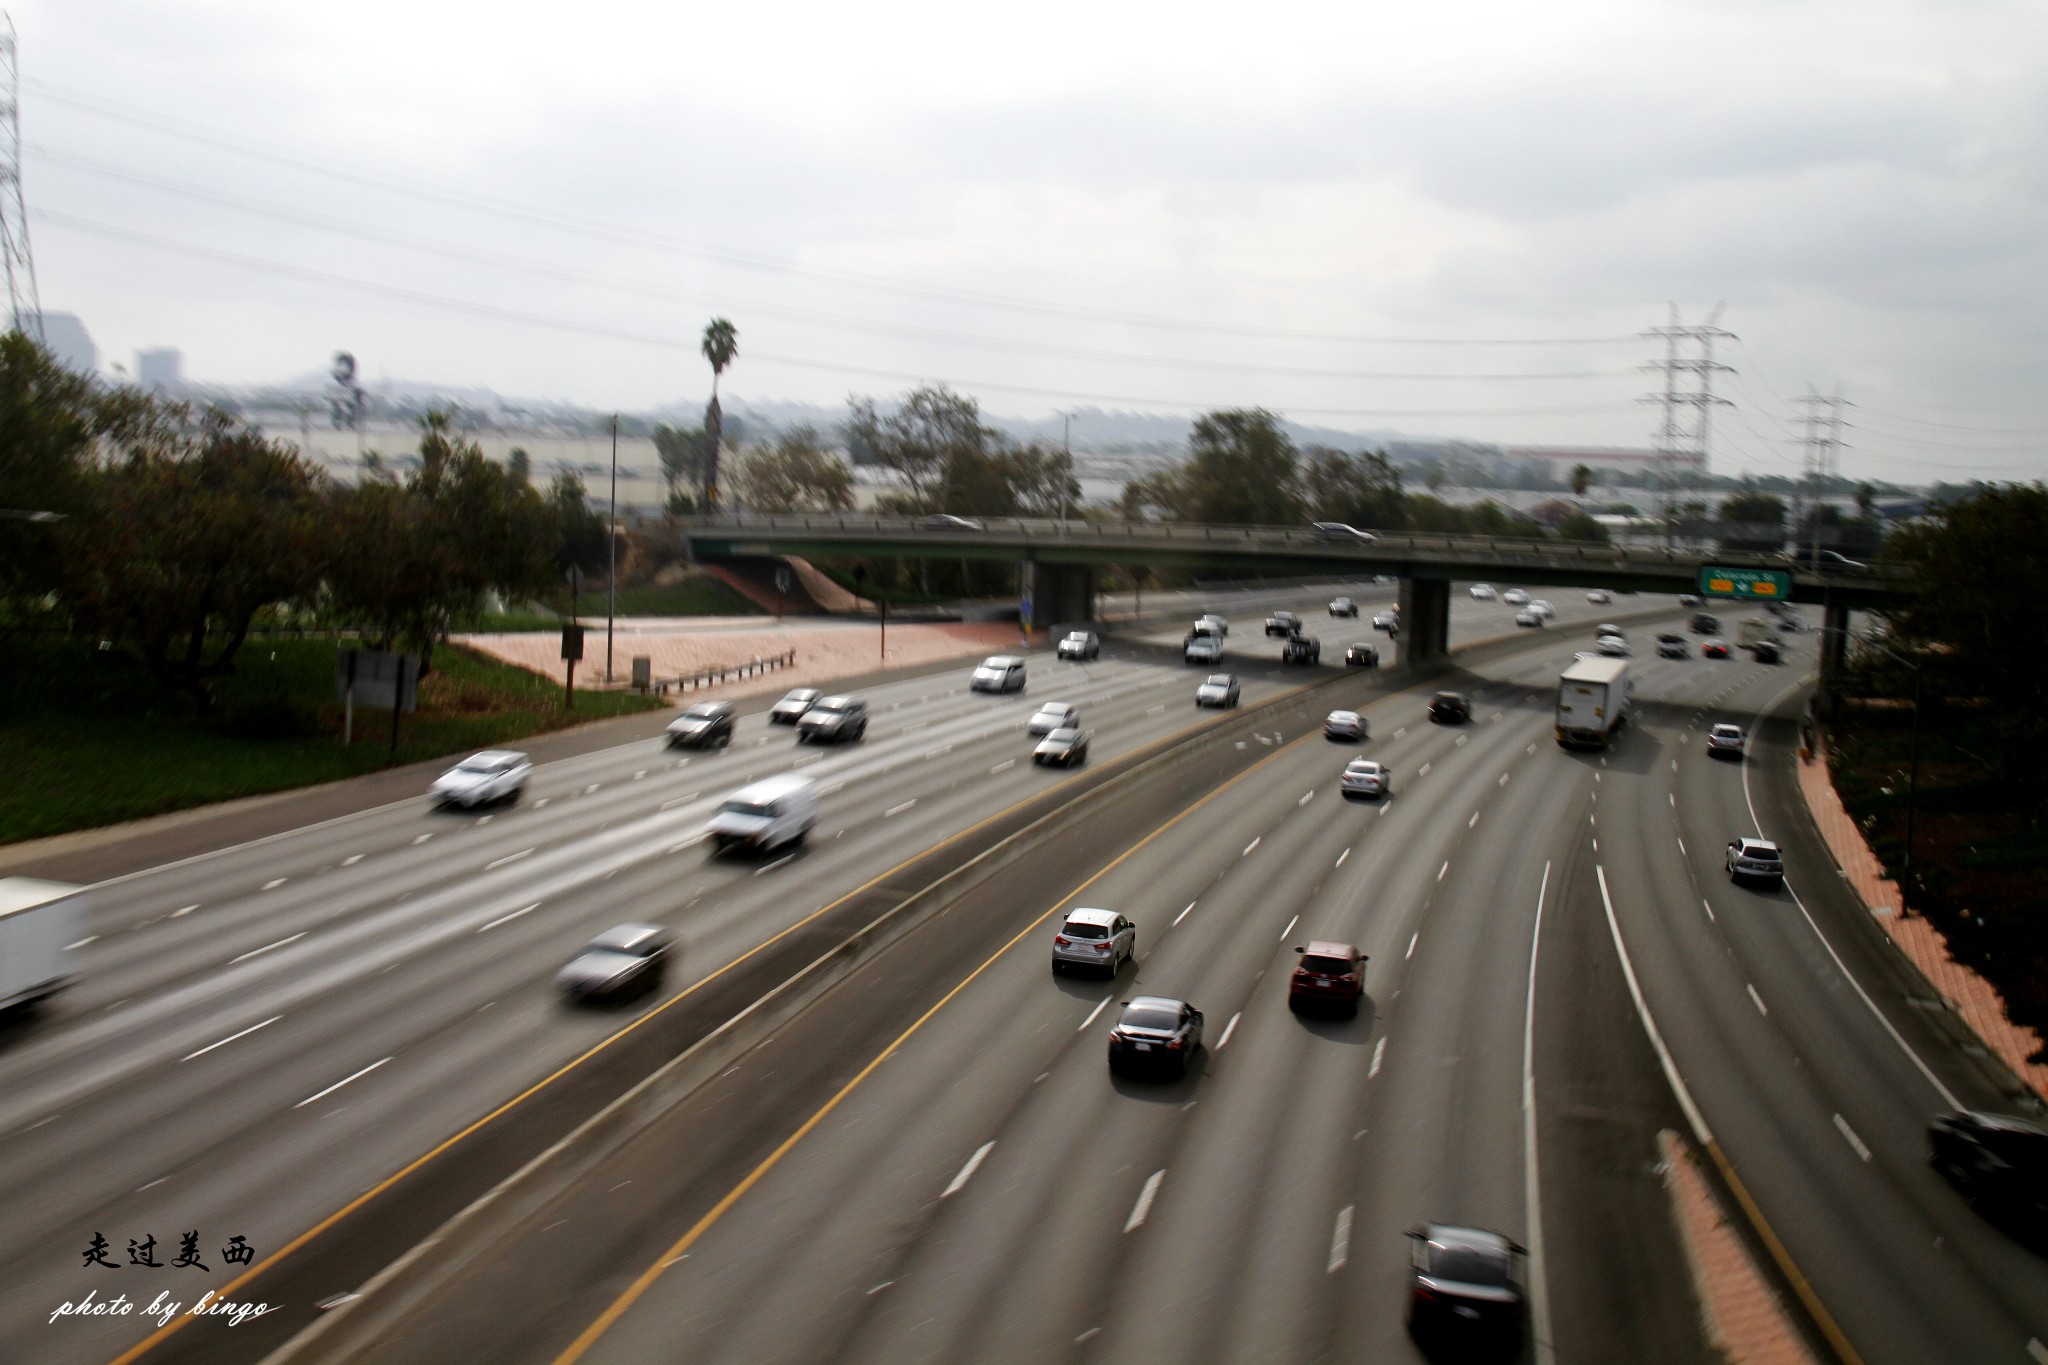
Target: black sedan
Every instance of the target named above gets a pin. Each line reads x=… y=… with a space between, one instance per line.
x=1998 y=1162
x=1155 y=1034
x=1465 y=1290
x=1450 y=708
x=617 y=962
x=1066 y=747
x=1361 y=655
x=707 y=725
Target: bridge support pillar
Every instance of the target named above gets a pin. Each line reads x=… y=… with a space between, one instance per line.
x=1834 y=651
x=1425 y=619
x=1057 y=594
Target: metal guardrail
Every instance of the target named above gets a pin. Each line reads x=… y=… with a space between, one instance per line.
x=1385 y=546
x=723 y=673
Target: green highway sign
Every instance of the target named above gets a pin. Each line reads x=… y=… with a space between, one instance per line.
x=1762 y=585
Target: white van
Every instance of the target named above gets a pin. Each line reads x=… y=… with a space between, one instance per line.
x=765 y=815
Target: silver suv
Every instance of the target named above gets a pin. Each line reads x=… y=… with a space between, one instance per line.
x=1097 y=940
x=1755 y=860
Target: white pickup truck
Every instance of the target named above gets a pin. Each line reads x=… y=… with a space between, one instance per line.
x=39 y=921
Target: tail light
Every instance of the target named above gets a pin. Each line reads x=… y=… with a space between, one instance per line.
x=1175 y=1044
x=1102 y=947
x=1062 y=940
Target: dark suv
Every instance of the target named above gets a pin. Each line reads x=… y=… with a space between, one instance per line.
x=1706 y=623
x=841 y=720
x=1329 y=975
x=1301 y=649
x=1450 y=708
x=1283 y=623
x=1996 y=1161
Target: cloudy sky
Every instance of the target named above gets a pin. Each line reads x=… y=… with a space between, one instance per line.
x=1452 y=219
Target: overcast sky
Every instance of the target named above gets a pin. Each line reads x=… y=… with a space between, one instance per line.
x=1315 y=207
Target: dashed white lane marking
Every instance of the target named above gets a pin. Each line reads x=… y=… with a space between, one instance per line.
x=960 y=1180
x=1531 y=748
x=831 y=787
x=508 y=858
x=265 y=948
x=1290 y=928
x=1145 y=1198
x=1673 y=798
x=1473 y=821
x=231 y=1038
x=1503 y=780
x=939 y=752
x=1342 y=856
x=1340 y=1240
x=1100 y=1006
x=883 y=1285
x=339 y=1084
x=1307 y=797
x=770 y=867
x=1400 y=732
x=666 y=805
x=690 y=842
x=542 y=803
x=1423 y=771
x=1006 y=763
x=1708 y=908
x=1183 y=914
x=74 y=947
x=1153 y=711
x=275 y=882
x=1842 y=1126
x=1440 y=871
x=1411 y=945
x=1230 y=1028
x=898 y=810
x=1249 y=847
x=507 y=919
x=1681 y=845
x=2037 y=1350
x=429 y=834
x=592 y=787
x=351 y=860
x=1379 y=1052
x=1461 y=741
x=640 y=774
x=1755 y=999
x=185 y=910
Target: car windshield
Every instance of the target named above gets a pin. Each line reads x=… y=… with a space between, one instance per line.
x=1365 y=767
x=1727 y=732
x=1149 y=1017
x=1217 y=680
x=1325 y=966
x=828 y=709
x=704 y=711
x=1077 y=929
x=1066 y=734
x=1077 y=638
x=746 y=808
x=496 y=763
x=1468 y=1265
x=802 y=694
x=1343 y=718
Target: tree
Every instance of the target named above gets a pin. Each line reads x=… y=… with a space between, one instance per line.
x=681 y=453
x=1242 y=470
x=934 y=440
x=1752 y=521
x=1582 y=525
x=1360 y=490
x=721 y=345
x=520 y=463
x=1040 y=480
x=187 y=538
x=799 y=473
x=1582 y=479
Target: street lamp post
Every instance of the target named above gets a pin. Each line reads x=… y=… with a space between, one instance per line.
x=611 y=573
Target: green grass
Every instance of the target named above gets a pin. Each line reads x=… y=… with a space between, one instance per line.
x=86 y=740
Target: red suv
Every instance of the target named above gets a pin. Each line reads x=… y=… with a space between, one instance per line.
x=1329 y=975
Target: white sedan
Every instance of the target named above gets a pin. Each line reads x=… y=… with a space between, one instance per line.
x=1365 y=777
x=493 y=775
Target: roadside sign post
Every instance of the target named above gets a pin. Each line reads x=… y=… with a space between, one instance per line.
x=572 y=651
x=375 y=678
x=781 y=588
x=1745 y=585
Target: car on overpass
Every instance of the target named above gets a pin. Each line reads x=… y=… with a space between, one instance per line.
x=1093 y=940
x=1283 y=623
x=1482 y=592
x=1218 y=689
x=946 y=521
x=1155 y=1033
x=1330 y=976
x=1465 y=1290
x=1343 y=606
x=1361 y=655
x=1301 y=649
x=1080 y=644
x=1337 y=530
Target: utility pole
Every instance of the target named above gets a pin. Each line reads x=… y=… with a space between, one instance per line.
x=611 y=571
x=1678 y=447
x=1067 y=448
x=24 y=303
x=1822 y=439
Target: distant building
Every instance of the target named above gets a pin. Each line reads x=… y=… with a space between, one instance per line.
x=161 y=370
x=1609 y=459
x=70 y=343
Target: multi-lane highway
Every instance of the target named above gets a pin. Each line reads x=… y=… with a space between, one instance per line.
x=265 y=1032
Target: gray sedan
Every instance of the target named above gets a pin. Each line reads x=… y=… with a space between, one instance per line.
x=618 y=961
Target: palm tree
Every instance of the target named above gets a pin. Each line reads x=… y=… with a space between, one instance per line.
x=721 y=344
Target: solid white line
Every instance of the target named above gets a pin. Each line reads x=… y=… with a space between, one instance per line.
x=1307 y=798
x=1412 y=939
x=1635 y=990
x=1290 y=928
x=898 y=810
x=1144 y=1206
x=1755 y=999
x=89 y=938
x=1229 y=1029
x=1532 y=1192
x=1440 y=871
x=1249 y=847
x=1842 y=1126
x=275 y=882
x=1342 y=856
x=1100 y=1005
x=1946 y=1094
x=1379 y=1051
x=1183 y=914
x=966 y=1174
x=1006 y=763
x=1340 y=1241
x=265 y=948
x=339 y=1084
x=507 y=919
x=508 y=858
x=231 y=1038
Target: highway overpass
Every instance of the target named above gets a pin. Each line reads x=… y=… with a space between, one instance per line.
x=1057 y=560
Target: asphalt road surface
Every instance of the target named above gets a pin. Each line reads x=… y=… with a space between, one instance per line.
x=265 y=1032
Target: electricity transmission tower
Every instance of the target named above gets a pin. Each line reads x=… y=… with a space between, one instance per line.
x=1822 y=439
x=24 y=305
x=1688 y=368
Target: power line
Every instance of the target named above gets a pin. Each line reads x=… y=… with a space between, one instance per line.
x=641 y=288
x=172 y=126
x=329 y=279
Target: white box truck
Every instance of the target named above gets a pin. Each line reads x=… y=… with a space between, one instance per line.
x=1592 y=702
x=39 y=921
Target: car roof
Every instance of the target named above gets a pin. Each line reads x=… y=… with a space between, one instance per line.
x=1362 y=765
x=1761 y=845
x=494 y=758
x=625 y=937
x=1091 y=915
x=1449 y=696
x=1065 y=734
x=2004 y=1123
x=770 y=789
x=1058 y=706
x=1000 y=661
x=707 y=708
x=1220 y=679
x=839 y=703
x=1466 y=1239
x=802 y=692
x=1154 y=1002
x=1341 y=711
x=1724 y=725
x=1077 y=635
